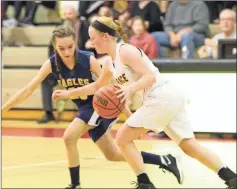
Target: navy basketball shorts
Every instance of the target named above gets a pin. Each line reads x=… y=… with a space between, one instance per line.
x=100 y=125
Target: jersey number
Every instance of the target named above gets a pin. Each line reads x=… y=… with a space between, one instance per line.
x=77 y=97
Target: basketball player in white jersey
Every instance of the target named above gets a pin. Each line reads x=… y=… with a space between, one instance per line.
x=163 y=103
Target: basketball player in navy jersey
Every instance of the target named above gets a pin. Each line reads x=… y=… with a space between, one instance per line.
x=163 y=105
x=76 y=69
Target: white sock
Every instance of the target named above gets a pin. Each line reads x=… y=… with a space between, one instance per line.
x=141 y=172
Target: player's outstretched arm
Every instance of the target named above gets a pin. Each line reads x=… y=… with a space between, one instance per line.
x=25 y=92
x=131 y=57
x=105 y=76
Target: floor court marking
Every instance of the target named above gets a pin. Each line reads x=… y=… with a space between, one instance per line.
x=30 y=137
x=64 y=161
x=46 y=163
x=34 y=165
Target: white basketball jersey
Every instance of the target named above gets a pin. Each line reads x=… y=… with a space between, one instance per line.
x=124 y=75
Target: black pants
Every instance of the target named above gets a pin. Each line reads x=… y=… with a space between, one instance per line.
x=31 y=7
x=215 y=7
x=18 y=5
x=47 y=89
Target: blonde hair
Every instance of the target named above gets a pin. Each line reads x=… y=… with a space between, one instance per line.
x=114 y=25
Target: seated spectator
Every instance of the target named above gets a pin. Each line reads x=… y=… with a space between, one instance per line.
x=163 y=7
x=123 y=18
x=63 y=4
x=119 y=7
x=142 y=39
x=29 y=17
x=30 y=10
x=105 y=11
x=88 y=8
x=150 y=12
x=18 y=5
x=234 y=8
x=215 y=7
x=186 y=26
x=228 y=27
x=80 y=26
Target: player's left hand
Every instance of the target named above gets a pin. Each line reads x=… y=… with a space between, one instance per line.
x=124 y=93
x=60 y=94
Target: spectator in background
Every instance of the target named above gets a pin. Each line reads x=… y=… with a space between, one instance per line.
x=18 y=5
x=228 y=27
x=119 y=7
x=163 y=4
x=186 y=26
x=234 y=8
x=62 y=4
x=105 y=11
x=215 y=7
x=150 y=12
x=142 y=39
x=123 y=18
x=69 y=15
x=30 y=10
x=29 y=17
x=4 y=7
x=80 y=26
x=88 y=8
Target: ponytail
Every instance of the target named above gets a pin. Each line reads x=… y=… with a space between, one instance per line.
x=112 y=27
x=120 y=31
x=57 y=64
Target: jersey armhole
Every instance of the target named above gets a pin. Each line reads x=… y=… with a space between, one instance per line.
x=136 y=47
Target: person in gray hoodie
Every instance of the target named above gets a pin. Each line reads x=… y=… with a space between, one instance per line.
x=186 y=26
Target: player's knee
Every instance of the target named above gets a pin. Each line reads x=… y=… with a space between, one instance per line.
x=189 y=147
x=69 y=139
x=111 y=157
x=120 y=140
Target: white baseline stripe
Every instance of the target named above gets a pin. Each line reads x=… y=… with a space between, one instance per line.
x=34 y=165
x=44 y=163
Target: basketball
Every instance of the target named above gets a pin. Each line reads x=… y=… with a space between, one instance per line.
x=106 y=103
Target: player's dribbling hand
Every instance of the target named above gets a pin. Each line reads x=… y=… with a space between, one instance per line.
x=60 y=94
x=124 y=93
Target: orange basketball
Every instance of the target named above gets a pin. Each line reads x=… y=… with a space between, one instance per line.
x=106 y=103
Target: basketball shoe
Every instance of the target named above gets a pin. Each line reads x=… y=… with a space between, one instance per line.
x=231 y=183
x=73 y=187
x=228 y=176
x=143 y=185
x=172 y=164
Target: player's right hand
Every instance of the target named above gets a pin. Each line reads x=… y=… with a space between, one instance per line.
x=60 y=94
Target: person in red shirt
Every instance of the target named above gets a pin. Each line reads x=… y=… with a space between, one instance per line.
x=142 y=39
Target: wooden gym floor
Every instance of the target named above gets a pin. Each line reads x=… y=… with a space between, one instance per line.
x=33 y=156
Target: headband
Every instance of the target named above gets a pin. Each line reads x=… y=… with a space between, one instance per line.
x=103 y=28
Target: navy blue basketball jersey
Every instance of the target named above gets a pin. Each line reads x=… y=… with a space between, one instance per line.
x=79 y=76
